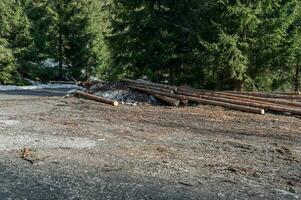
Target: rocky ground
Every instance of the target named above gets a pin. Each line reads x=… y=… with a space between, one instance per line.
x=82 y=149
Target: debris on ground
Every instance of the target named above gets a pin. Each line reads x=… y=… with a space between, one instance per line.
x=118 y=91
x=26 y=154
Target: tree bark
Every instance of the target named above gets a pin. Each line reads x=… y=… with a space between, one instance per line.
x=203 y=101
x=147 y=83
x=169 y=100
x=265 y=100
x=60 y=55
x=97 y=98
x=297 y=77
x=270 y=107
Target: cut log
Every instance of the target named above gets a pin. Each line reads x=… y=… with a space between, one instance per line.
x=204 y=101
x=169 y=100
x=191 y=90
x=96 y=98
x=152 y=88
x=150 y=91
x=288 y=93
x=229 y=105
x=267 y=107
x=150 y=84
x=265 y=95
x=266 y=100
x=189 y=93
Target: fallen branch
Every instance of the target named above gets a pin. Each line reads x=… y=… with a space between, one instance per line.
x=25 y=155
x=97 y=98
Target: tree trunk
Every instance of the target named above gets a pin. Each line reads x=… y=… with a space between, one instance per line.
x=297 y=77
x=96 y=98
x=60 y=55
x=60 y=42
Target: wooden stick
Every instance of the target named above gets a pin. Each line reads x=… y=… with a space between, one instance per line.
x=96 y=98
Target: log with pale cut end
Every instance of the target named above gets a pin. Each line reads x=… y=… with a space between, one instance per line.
x=267 y=107
x=265 y=100
x=146 y=83
x=96 y=98
x=169 y=100
x=203 y=101
x=266 y=95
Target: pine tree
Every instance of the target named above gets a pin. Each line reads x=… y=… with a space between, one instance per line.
x=15 y=39
x=60 y=32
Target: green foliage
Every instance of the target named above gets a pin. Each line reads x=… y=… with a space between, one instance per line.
x=237 y=44
x=7 y=64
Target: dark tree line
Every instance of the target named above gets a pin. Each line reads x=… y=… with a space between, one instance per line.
x=224 y=44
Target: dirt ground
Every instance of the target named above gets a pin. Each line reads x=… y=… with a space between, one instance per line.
x=82 y=149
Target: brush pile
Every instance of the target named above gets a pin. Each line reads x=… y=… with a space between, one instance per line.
x=252 y=102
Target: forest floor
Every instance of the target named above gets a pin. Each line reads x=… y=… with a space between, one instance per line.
x=82 y=149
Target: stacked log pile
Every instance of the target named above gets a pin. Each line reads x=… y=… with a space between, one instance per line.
x=252 y=102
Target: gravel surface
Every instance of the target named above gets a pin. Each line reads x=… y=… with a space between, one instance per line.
x=81 y=149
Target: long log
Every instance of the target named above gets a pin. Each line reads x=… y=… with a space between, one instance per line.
x=150 y=84
x=288 y=93
x=267 y=107
x=189 y=93
x=189 y=89
x=266 y=95
x=229 y=105
x=204 y=101
x=169 y=100
x=198 y=93
x=152 y=87
x=96 y=98
x=276 y=101
x=151 y=91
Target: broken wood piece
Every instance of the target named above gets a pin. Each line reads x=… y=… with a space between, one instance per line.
x=25 y=155
x=97 y=98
